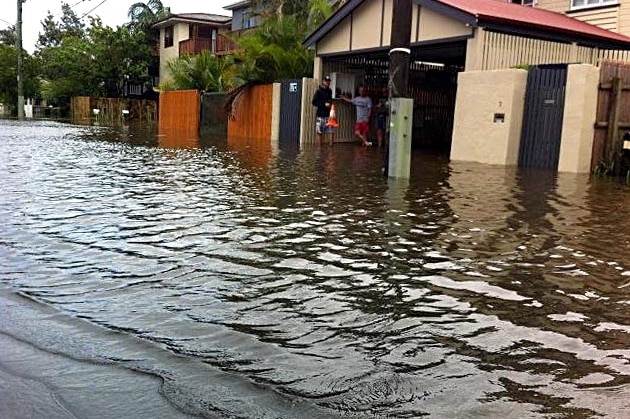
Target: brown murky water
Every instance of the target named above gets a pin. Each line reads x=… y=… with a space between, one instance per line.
x=261 y=283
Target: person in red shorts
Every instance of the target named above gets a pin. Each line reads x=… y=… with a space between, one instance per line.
x=363 y=103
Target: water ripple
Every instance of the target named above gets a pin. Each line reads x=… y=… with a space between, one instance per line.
x=467 y=291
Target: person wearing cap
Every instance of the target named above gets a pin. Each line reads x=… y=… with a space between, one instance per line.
x=322 y=99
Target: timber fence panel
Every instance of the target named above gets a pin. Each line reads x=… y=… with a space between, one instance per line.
x=506 y=51
x=613 y=112
x=81 y=110
x=179 y=109
x=113 y=110
x=252 y=114
x=309 y=112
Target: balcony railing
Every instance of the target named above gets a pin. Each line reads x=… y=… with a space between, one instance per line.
x=194 y=46
x=223 y=45
x=226 y=42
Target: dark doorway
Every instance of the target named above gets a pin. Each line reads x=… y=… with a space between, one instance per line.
x=542 y=119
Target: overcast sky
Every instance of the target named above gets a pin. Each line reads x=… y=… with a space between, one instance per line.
x=113 y=12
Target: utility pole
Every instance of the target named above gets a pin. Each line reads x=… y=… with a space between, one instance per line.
x=401 y=107
x=20 y=63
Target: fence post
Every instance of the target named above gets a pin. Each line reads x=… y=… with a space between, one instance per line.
x=612 y=134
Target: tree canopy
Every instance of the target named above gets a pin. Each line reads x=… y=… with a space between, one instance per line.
x=8 y=36
x=8 y=75
x=96 y=64
x=54 y=31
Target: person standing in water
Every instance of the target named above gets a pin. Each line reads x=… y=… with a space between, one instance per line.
x=363 y=103
x=322 y=99
x=382 y=113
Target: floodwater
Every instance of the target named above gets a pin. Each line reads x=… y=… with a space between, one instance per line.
x=146 y=276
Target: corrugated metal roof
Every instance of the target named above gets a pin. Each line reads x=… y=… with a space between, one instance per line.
x=492 y=10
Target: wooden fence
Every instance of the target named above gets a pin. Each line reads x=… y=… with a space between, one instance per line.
x=179 y=109
x=252 y=113
x=112 y=110
x=309 y=112
x=507 y=51
x=613 y=115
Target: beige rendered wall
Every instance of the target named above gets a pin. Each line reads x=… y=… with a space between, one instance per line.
x=338 y=40
x=369 y=26
x=476 y=135
x=436 y=26
x=180 y=33
x=275 y=115
x=580 y=112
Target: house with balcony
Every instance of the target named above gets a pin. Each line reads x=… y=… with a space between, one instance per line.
x=613 y=15
x=245 y=16
x=190 y=33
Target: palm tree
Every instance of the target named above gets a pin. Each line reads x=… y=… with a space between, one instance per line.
x=319 y=11
x=143 y=15
x=205 y=72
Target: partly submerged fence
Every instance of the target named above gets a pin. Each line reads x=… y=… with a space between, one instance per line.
x=214 y=117
x=179 y=109
x=112 y=110
x=252 y=113
x=613 y=115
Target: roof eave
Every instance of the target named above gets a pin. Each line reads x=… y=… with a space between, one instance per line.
x=177 y=19
x=238 y=5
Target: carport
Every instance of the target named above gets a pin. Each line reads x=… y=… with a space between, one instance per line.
x=447 y=37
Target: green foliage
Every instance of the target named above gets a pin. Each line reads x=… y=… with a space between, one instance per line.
x=142 y=17
x=205 y=72
x=8 y=36
x=604 y=168
x=319 y=11
x=96 y=64
x=54 y=32
x=274 y=51
x=8 y=75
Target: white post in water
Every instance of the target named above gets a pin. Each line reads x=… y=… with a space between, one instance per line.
x=401 y=118
x=401 y=106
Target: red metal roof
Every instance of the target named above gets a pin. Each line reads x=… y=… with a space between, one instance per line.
x=493 y=10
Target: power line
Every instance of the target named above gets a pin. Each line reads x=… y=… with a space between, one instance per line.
x=91 y=10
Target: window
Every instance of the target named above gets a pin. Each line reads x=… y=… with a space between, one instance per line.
x=530 y=3
x=581 y=4
x=249 y=20
x=168 y=36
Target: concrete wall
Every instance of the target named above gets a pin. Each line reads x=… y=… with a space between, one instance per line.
x=275 y=115
x=580 y=112
x=477 y=137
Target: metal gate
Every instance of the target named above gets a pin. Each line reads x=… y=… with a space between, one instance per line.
x=542 y=119
x=290 y=111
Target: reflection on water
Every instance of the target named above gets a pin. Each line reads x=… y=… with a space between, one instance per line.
x=305 y=284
